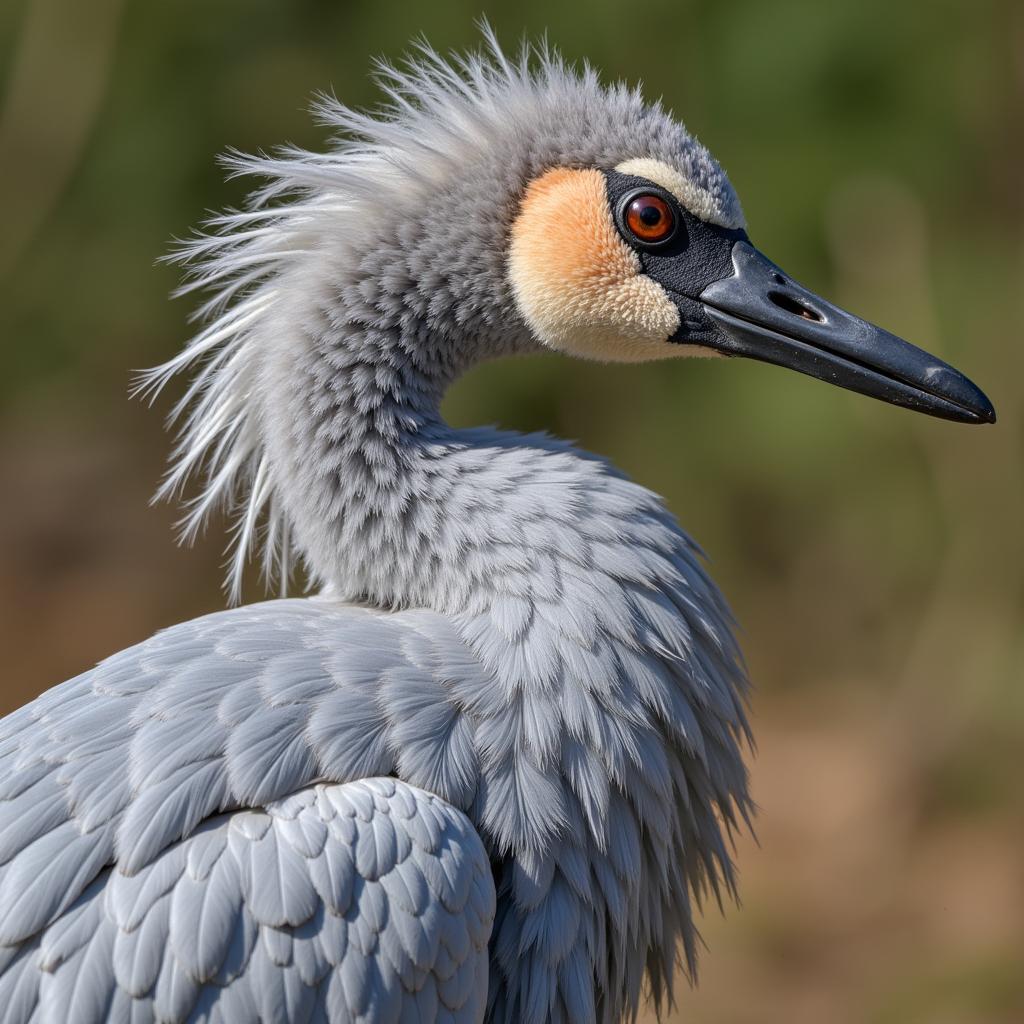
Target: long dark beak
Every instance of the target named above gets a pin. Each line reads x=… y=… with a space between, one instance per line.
x=761 y=313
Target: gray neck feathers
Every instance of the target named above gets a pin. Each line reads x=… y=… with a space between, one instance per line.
x=378 y=491
x=349 y=416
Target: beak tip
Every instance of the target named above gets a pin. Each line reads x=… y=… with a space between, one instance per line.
x=976 y=401
x=945 y=382
x=978 y=416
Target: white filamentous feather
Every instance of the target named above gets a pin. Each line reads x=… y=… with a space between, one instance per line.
x=217 y=439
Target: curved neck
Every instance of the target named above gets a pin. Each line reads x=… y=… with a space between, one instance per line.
x=359 y=454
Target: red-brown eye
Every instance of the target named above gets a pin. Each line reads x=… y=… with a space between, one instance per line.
x=650 y=218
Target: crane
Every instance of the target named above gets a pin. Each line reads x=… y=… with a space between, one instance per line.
x=491 y=766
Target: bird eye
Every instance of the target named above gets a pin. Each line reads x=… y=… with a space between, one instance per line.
x=649 y=218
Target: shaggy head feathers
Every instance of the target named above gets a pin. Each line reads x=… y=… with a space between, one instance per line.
x=396 y=237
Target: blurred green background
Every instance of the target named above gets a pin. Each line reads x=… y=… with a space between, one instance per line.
x=874 y=558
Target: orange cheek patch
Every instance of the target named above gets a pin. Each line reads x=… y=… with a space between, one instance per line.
x=578 y=285
x=562 y=224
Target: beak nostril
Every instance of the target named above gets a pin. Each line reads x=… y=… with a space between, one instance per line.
x=794 y=306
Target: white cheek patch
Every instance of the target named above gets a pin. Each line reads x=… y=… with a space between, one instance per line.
x=697 y=200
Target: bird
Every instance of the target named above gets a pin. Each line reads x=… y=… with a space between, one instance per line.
x=493 y=762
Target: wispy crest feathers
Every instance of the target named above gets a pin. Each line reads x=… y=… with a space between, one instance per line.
x=438 y=117
x=435 y=110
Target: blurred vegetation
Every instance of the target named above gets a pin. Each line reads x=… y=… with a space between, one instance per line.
x=873 y=557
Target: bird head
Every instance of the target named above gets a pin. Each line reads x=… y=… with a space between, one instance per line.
x=500 y=205
x=526 y=202
x=491 y=206
x=648 y=260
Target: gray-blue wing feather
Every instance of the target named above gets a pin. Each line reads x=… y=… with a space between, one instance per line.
x=230 y=710
x=235 y=710
x=371 y=900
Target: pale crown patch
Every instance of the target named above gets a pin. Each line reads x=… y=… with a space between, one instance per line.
x=697 y=200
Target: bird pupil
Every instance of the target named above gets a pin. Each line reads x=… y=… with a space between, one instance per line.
x=650 y=215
